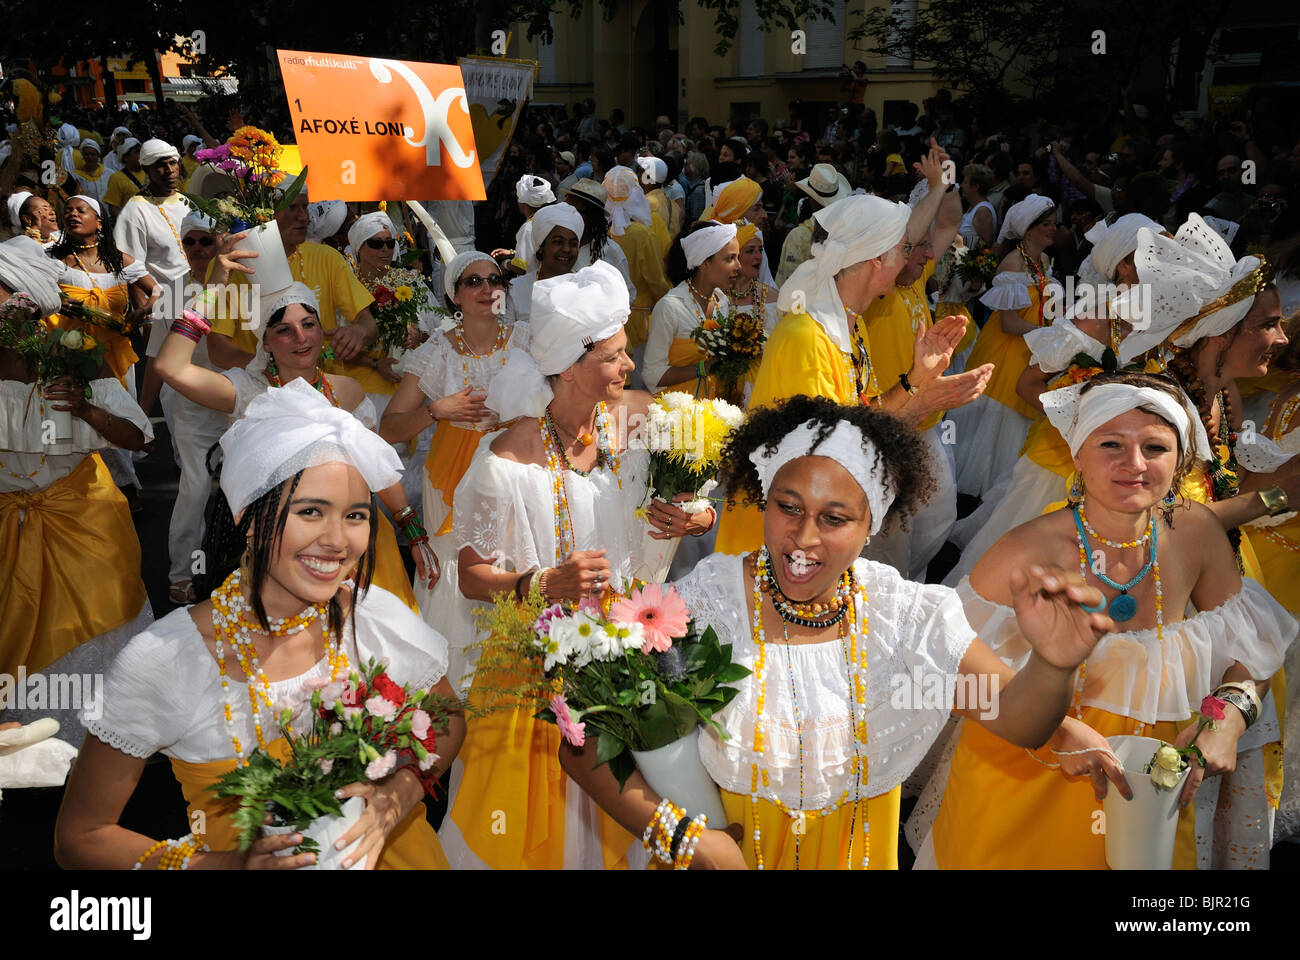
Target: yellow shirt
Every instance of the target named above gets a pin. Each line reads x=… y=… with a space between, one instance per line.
x=121 y=189
x=326 y=271
x=891 y=330
x=799 y=358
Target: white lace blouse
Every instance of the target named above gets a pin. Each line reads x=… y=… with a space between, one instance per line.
x=163 y=692
x=1010 y=291
x=24 y=410
x=505 y=511
x=916 y=633
x=1134 y=674
x=74 y=277
x=442 y=371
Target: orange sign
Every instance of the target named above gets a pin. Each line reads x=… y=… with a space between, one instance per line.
x=375 y=129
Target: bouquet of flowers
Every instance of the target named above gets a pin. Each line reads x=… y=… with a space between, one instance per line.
x=400 y=296
x=251 y=159
x=1168 y=763
x=976 y=266
x=364 y=728
x=48 y=351
x=685 y=437
x=732 y=343
x=636 y=671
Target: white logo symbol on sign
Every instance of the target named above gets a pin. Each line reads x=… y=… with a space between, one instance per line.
x=437 y=131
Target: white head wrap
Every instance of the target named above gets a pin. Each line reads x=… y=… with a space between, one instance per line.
x=1111 y=244
x=1077 y=414
x=32 y=273
x=15 y=203
x=188 y=139
x=848 y=447
x=1185 y=274
x=657 y=169
x=154 y=150
x=90 y=202
x=1022 y=215
x=534 y=191
x=555 y=215
x=93 y=144
x=457 y=267
x=626 y=202
x=122 y=130
x=126 y=146
x=290 y=428
x=859 y=228
x=296 y=292
x=325 y=218
x=704 y=243
x=368 y=226
x=194 y=220
x=569 y=313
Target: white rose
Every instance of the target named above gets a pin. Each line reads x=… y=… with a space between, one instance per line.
x=71 y=339
x=1165 y=778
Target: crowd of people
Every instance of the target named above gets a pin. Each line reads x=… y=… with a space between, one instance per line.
x=1068 y=471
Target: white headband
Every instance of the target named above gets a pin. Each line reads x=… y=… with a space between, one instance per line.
x=196 y=220
x=626 y=201
x=702 y=244
x=90 y=202
x=290 y=428
x=154 y=150
x=1111 y=244
x=93 y=144
x=1077 y=414
x=848 y=447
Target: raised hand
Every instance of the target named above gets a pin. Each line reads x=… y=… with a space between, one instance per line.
x=1049 y=606
x=932 y=349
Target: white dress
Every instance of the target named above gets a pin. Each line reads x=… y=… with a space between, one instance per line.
x=673 y=318
x=22 y=414
x=914 y=631
x=442 y=371
x=163 y=692
x=505 y=511
x=1135 y=674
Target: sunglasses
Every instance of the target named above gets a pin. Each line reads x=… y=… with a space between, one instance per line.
x=201 y=241
x=474 y=280
x=376 y=244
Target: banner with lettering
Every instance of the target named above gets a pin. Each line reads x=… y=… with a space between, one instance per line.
x=369 y=128
x=497 y=90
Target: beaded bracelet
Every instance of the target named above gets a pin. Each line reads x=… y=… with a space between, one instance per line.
x=198 y=320
x=694 y=830
x=177 y=854
x=153 y=848
x=664 y=835
x=660 y=810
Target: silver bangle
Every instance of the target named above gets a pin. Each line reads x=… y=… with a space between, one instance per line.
x=1249 y=712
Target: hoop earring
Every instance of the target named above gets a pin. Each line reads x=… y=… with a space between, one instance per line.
x=1076 y=493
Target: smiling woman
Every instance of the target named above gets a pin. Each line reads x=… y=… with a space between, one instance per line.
x=299 y=477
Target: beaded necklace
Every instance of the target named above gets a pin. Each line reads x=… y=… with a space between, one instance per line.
x=319 y=381
x=864 y=377
x=1123 y=608
x=1039 y=276
x=466 y=353
x=156 y=203
x=853 y=643
x=233 y=624
x=557 y=461
x=1225 y=479
x=756 y=294
x=1120 y=545
x=21 y=476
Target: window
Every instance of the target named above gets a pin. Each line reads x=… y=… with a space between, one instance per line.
x=825 y=39
x=752 y=40
x=900 y=56
x=546 y=72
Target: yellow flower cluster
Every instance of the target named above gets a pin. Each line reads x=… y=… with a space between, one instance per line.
x=403 y=293
x=255 y=147
x=691 y=432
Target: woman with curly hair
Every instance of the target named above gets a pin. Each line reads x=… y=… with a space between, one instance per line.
x=1134 y=438
x=819 y=737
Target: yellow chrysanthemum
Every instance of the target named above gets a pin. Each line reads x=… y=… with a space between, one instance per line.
x=403 y=294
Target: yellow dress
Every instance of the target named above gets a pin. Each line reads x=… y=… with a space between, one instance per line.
x=661 y=214
x=107 y=292
x=891 y=329
x=326 y=271
x=1277 y=548
x=1005 y=809
x=798 y=358
x=1008 y=353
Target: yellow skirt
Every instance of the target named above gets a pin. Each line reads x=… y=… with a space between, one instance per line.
x=1009 y=355
x=412 y=845
x=1045 y=446
x=390 y=572
x=451 y=449
x=835 y=842
x=1003 y=809
x=71 y=572
x=510 y=806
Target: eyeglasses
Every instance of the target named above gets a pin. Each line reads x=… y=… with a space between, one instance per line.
x=201 y=241
x=374 y=243
x=475 y=280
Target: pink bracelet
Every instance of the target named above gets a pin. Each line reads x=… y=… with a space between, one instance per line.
x=199 y=321
x=186 y=329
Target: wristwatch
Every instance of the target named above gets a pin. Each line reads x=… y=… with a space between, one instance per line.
x=1275 y=501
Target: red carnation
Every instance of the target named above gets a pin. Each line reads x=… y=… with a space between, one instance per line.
x=383 y=296
x=388 y=690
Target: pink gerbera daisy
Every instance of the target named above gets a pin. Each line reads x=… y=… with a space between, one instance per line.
x=661 y=613
x=574 y=733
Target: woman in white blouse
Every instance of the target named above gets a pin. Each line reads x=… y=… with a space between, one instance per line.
x=299 y=475
x=1133 y=438
x=832 y=641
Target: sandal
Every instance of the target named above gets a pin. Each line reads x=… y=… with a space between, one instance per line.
x=182 y=592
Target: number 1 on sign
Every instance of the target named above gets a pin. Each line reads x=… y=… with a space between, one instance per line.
x=297 y=103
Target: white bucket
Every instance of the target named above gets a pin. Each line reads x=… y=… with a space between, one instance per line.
x=676 y=772
x=1140 y=833
x=326 y=831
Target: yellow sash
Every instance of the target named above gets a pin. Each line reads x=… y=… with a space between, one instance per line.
x=70 y=572
x=119 y=352
x=411 y=846
x=451 y=449
x=685 y=352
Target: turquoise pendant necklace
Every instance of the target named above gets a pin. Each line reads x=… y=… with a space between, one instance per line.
x=1122 y=608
